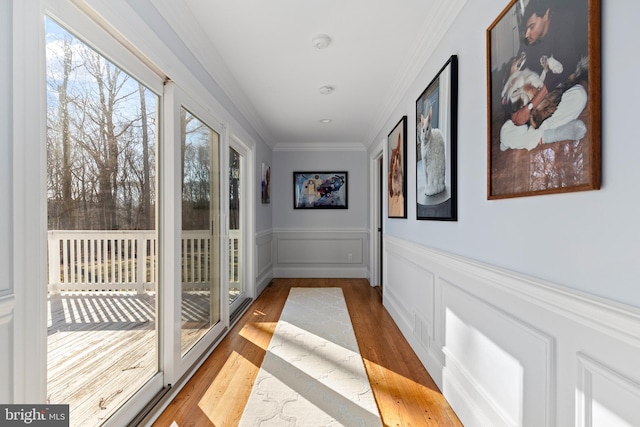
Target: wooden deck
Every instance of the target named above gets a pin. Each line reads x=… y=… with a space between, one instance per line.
x=102 y=347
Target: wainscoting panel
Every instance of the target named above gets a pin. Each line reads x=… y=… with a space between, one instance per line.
x=264 y=251
x=320 y=253
x=510 y=350
x=605 y=397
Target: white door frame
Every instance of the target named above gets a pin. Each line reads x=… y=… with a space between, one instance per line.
x=377 y=205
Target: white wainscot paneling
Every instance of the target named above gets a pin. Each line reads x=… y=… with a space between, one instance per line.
x=264 y=251
x=409 y=289
x=320 y=253
x=605 y=397
x=496 y=359
x=512 y=350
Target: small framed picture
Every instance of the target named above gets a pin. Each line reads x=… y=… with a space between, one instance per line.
x=397 y=183
x=266 y=183
x=320 y=190
x=436 y=141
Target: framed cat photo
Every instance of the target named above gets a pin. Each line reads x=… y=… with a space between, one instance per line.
x=436 y=142
x=543 y=92
x=397 y=183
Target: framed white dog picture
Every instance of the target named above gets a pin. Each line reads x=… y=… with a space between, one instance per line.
x=543 y=72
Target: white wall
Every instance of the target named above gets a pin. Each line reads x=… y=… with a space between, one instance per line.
x=585 y=240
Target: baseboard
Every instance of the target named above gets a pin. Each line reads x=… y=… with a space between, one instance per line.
x=324 y=272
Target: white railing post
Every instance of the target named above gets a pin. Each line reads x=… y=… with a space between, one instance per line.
x=141 y=263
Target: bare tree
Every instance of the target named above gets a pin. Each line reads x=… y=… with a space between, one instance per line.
x=146 y=190
x=100 y=142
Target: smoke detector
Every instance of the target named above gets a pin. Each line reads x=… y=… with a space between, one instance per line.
x=320 y=41
x=325 y=90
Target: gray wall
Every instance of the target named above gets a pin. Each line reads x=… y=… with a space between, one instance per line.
x=320 y=242
x=588 y=241
x=286 y=162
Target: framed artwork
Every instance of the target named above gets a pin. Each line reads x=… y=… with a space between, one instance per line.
x=266 y=183
x=320 y=190
x=436 y=141
x=543 y=81
x=397 y=183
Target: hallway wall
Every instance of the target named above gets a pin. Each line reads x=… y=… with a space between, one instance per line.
x=587 y=241
x=320 y=242
x=525 y=311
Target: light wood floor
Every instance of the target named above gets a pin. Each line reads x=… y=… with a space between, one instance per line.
x=405 y=393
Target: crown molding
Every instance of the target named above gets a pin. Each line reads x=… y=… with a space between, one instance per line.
x=433 y=31
x=319 y=146
x=193 y=36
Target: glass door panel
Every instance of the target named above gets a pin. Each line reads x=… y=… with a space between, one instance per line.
x=101 y=207
x=235 y=226
x=200 y=254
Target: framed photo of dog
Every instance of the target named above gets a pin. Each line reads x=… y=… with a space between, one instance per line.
x=436 y=142
x=397 y=183
x=320 y=190
x=543 y=75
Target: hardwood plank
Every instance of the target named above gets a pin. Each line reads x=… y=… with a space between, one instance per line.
x=405 y=393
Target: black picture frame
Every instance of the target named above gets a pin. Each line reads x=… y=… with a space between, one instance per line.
x=320 y=190
x=437 y=116
x=397 y=170
x=522 y=159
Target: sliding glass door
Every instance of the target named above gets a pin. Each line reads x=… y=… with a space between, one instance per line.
x=102 y=335
x=200 y=253
x=141 y=262
x=193 y=251
x=236 y=222
x=240 y=227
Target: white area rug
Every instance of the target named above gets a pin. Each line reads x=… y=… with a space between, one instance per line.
x=312 y=373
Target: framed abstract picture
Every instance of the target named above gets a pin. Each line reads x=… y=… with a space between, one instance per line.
x=397 y=182
x=543 y=81
x=436 y=141
x=320 y=190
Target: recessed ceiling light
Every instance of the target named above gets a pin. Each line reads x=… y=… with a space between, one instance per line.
x=325 y=120
x=320 y=41
x=325 y=90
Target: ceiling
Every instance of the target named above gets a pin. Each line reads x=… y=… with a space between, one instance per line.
x=377 y=48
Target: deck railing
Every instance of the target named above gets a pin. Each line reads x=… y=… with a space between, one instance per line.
x=127 y=260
